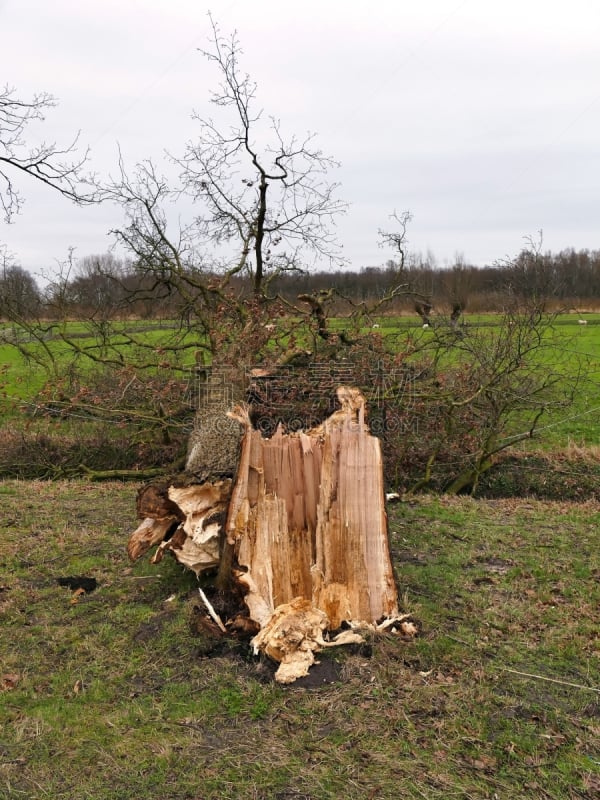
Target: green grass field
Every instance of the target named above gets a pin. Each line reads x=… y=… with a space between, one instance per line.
x=22 y=375
x=22 y=378
x=112 y=694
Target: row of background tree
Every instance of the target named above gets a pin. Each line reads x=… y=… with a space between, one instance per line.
x=109 y=286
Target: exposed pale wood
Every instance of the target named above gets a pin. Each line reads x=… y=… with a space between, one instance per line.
x=353 y=575
x=307 y=518
x=213 y=614
x=204 y=507
x=159 y=515
x=291 y=636
x=199 y=511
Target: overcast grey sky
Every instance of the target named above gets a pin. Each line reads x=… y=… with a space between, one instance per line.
x=481 y=118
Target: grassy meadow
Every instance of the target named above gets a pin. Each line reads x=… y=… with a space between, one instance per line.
x=115 y=694
x=574 y=345
x=22 y=376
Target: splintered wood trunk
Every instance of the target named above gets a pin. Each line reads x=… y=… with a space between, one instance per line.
x=307 y=519
x=302 y=531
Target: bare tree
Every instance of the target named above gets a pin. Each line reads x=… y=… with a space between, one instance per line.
x=265 y=207
x=265 y=202
x=58 y=167
x=456 y=284
x=97 y=287
x=267 y=194
x=397 y=239
x=531 y=278
x=19 y=293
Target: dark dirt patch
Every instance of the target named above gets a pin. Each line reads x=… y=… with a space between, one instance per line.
x=324 y=672
x=409 y=557
x=78 y=582
x=591 y=711
x=495 y=565
x=153 y=628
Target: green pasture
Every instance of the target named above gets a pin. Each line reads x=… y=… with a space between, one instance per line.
x=27 y=363
x=572 y=347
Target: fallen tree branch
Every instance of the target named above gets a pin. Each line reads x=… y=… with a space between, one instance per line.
x=550 y=680
x=121 y=474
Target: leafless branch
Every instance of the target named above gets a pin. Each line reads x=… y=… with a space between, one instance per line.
x=57 y=167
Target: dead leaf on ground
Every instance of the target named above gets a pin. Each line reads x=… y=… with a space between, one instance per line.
x=483 y=763
x=592 y=783
x=76 y=595
x=9 y=681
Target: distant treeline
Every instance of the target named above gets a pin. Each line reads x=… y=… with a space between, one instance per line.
x=569 y=279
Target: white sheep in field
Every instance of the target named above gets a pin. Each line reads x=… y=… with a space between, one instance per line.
x=375 y=326
x=582 y=321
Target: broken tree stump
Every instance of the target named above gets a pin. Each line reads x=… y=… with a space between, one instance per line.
x=307 y=519
x=301 y=531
